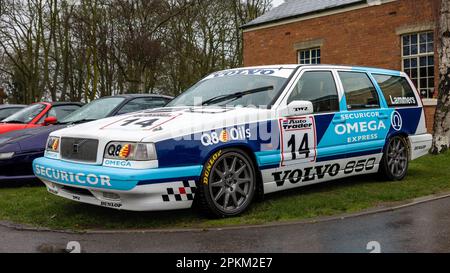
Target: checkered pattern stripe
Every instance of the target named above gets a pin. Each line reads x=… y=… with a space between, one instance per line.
x=186 y=192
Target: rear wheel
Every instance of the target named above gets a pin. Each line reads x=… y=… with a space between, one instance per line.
x=228 y=184
x=395 y=162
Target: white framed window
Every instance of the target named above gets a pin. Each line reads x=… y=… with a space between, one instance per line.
x=309 y=56
x=418 y=61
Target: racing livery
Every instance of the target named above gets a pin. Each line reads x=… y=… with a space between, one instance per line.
x=241 y=132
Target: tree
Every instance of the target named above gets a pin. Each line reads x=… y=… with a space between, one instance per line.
x=441 y=141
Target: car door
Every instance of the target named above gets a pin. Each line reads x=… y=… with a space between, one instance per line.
x=365 y=123
x=301 y=137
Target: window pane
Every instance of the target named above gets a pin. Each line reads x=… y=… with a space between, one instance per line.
x=430 y=48
x=406 y=63
x=314 y=53
x=414 y=73
x=423 y=61
x=423 y=38
x=414 y=63
x=430 y=37
x=414 y=49
x=406 y=40
x=406 y=51
x=414 y=39
x=423 y=48
x=359 y=91
x=396 y=90
x=319 y=88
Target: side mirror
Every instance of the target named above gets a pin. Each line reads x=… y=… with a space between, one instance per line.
x=50 y=121
x=299 y=108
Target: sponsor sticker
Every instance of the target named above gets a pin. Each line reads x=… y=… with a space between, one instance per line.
x=226 y=135
x=73 y=178
x=396 y=121
x=209 y=166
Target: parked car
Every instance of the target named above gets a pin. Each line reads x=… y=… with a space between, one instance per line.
x=317 y=123
x=18 y=149
x=38 y=114
x=7 y=110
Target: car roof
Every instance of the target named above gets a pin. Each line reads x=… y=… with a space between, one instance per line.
x=330 y=66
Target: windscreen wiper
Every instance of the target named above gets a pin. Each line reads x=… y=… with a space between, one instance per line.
x=237 y=95
x=79 y=121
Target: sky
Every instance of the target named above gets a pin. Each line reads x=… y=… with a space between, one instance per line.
x=277 y=2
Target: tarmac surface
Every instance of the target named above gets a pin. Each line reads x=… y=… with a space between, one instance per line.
x=420 y=228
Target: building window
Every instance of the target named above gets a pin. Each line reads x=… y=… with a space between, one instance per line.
x=309 y=56
x=418 y=61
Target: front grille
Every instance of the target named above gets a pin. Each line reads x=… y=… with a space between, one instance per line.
x=79 y=149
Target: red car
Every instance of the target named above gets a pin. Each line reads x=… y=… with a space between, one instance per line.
x=38 y=114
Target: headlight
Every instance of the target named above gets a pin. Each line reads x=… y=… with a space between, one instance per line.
x=4 y=156
x=53 y=144
x=130 y=151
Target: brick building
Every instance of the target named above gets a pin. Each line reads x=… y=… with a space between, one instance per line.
x=392 y=34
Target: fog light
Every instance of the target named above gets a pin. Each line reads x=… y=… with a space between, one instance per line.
x=111 y=196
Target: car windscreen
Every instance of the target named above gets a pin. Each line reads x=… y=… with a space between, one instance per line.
x=233 y=90
x=6 y=112
x=95 y=110
x=25 y=115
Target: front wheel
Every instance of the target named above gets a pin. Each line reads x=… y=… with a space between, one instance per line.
x=395 y=162
x=228 y=183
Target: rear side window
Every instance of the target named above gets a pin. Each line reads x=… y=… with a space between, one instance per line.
x=396 y=91
x=359 y=91
x=319 y=88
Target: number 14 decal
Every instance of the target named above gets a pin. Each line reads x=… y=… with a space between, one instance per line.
x=298 y=136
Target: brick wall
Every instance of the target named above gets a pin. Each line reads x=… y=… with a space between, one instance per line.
x=366 y=37
x=430 y=110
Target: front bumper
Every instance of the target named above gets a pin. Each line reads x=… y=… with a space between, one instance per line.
x=124 y=189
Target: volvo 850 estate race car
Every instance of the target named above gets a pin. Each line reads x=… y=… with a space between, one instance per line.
x=242 y=132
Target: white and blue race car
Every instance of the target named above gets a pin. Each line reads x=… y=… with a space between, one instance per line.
x=239 y=133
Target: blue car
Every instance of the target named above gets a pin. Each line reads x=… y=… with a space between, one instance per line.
x=18 y=149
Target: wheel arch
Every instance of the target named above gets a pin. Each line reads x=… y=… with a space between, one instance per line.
x=405 y=136
x=251 y=154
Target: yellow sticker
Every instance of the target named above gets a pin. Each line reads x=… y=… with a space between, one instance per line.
x=209 y=166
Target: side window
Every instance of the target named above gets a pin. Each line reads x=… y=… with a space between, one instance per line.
x=60 y=112
x=142 y=104
x=359 y=91
x=396 y=90
x=318 y=87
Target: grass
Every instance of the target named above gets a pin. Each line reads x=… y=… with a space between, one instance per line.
x=34 y=206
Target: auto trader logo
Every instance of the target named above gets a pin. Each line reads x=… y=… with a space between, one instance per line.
x=396 y=121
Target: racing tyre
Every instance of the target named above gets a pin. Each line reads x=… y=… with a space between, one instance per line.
x=395 y=161
x=227 y=185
